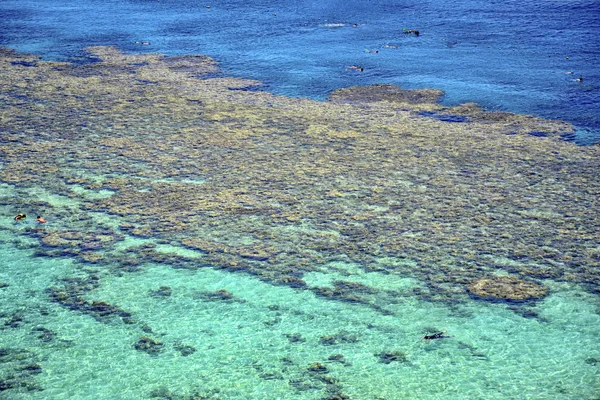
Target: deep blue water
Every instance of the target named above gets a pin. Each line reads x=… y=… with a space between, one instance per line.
x=515 y=55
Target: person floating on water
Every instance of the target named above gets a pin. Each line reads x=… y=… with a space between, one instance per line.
x=355 y=67
x=20 y=217
x=437 y=335
x=413 y=31
x=40 y=220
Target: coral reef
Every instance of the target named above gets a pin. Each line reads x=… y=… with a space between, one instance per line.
x=163 y=291
x=391 y=356
x=384 y=178
x=507 y=288
x=149 y=345
x=23 y=369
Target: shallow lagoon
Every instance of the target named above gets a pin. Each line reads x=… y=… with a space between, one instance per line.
x=205 y=242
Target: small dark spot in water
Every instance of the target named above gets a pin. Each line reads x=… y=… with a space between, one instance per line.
x=443 y=117
x=287 y=361
x=185 y=350
x=146 y=82
x=538 y=133
x=271 y=376
x=31 y=369
x=44 y=334
x=592 y=361
x=317 y=368
x=163 y=291
x=24 y=63
x=391 y=356
x=149 y=345
x=294 y=337
x=568 y=137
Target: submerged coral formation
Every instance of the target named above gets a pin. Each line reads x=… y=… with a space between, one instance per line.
x=508 y=288
x=279 y=187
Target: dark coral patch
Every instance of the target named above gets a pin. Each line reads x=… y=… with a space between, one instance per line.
x=149 y=345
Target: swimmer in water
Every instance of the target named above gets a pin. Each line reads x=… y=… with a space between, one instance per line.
x=433 y=336
x=20 y=217
x=40 y=220
x=355 y=67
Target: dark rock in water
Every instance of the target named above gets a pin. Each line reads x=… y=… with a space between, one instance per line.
x=336 y=357
x=390 y=93
x=295 y=337
x=592 y=361
x=102 y=309
x=328 y=340
x=185 y=350
x=31 y=369
x=162 y=393
x=6 y=384
x=149 y=345
x=443 y=117
x=506 y=288
x=389 y=357
x=163 y=291
x=218 y=295
x=15 y=321
x=45 y=335
x=3 y=285
x=317 y=368
x=340 y=337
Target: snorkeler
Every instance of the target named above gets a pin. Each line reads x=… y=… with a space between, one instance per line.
x=437 y=335
x=355 y=67
x=20 y=217
x=40 y=220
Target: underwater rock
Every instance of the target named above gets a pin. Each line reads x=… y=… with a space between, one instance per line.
x=162 y=393
x=218 y=295
x=341 y=337
x=163 y=291
x=3 y=285
x=71 y=296
x=328 y=340
x=290 y=281
x=149 y=345
x=340 y=359
x=21 y=370
x=391 y=356
x=15 y=321
x=506 y=288
x=317 y=368
x=295 y=337
x=102 y=309
x=185 y=350
x=44 y=334
x=336 y=357
x=592 y=361
x=31 y=369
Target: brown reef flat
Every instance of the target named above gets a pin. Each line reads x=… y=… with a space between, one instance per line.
x=278 y=186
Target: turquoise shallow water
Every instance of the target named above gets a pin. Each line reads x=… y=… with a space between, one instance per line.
x=231 y=336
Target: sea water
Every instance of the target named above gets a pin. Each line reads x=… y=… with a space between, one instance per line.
x=519 y=55
x=262 y=341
